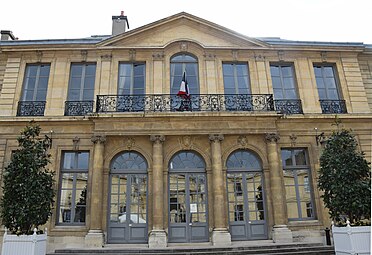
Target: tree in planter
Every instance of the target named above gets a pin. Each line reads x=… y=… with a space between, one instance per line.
x=28 y=193
x=345 y=178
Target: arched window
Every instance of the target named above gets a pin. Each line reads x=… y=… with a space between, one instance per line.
x=129 y=162
x=187 y=161
x=187 y=63
x=243 y=160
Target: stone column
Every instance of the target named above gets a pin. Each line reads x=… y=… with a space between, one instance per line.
x=280 y=232
x=220 y=235
x=158 y=237
x=95 y=238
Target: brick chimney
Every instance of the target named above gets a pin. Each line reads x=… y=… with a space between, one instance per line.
x=119 y=24
x=6 y=35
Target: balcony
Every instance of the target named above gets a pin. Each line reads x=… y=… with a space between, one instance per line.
x=193 y=103
x=285 y=106
x=333 y=106
x=31 y=108
x=78 y=108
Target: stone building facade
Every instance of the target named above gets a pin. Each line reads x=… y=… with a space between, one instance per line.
x=235 y=159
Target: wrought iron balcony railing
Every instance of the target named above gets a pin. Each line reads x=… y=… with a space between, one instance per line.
x=78 y=108
x=173 y=103
x=290 y=106
x=333 y=106
x=31 y=108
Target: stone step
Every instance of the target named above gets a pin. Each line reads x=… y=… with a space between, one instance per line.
x=313 y=249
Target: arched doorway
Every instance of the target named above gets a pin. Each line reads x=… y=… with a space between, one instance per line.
x=246 y=198
x=188 y=201
x=127 y=209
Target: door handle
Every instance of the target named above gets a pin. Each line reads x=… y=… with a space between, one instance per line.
x=190 y=224
x=130 y=225
x=250 y=222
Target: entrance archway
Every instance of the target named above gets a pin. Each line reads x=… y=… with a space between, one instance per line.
x=246 y=197
x=188 y=201
x=127 y=210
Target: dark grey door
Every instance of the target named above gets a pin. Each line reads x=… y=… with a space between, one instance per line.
x=246 y=200
x=127 y=214
x=188 y=214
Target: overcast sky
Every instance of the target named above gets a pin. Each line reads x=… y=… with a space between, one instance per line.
x=303 y=20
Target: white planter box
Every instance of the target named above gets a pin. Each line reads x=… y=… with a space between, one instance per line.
x=24 y=244
x=352 y=240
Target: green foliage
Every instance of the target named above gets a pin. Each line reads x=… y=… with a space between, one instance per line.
x=345 y=178
x=28 y=193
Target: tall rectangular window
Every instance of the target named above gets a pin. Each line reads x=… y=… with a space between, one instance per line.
x=284 y=83
x=34 y=92
x=73 y=188
x=81 y=89
x=81 y=85
x=326 y=82
x=237 y=87
x=131 y=79
x=285 y=89
x=328 y=89
x=35 y=84
x=236 y=78
x=298 y=192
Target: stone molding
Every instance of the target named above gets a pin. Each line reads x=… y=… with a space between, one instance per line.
x=208 y=56
x=132 y=54
x=157 y=138
x=98 y=138
x=84 y=55
x=216 y=138
x=106 y=57
x=272 y=138
x=158 y=56
x=186 y=142
x=129 y=142
x=242 y=140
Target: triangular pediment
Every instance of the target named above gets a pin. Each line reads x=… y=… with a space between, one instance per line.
x=182 y=27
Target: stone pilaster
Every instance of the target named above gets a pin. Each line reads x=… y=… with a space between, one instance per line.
x=157 y=237
x=220 y=235
x=95 y=237
x=280 y=232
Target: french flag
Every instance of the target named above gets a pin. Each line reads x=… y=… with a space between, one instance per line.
x=184 y=88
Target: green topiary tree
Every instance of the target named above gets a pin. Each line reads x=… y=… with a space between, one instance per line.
x=345 y=178
x=28 y=193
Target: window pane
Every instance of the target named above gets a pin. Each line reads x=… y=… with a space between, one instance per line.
x=288 y=83
x=68 y=162
x=277 y=82
x=41 y=95
x=300 y=157
x=67 y=181
x=89 y=82
x=44 y=70
x=318 y=71
x=328 y=71
x=227 y=69
x=292 y=209
x=83 y=160
x=75 y=83
x=76 y=70
x=288 y=177
x=286 y=71
x=287 y=158
x=90 y=70
x=274 y=70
